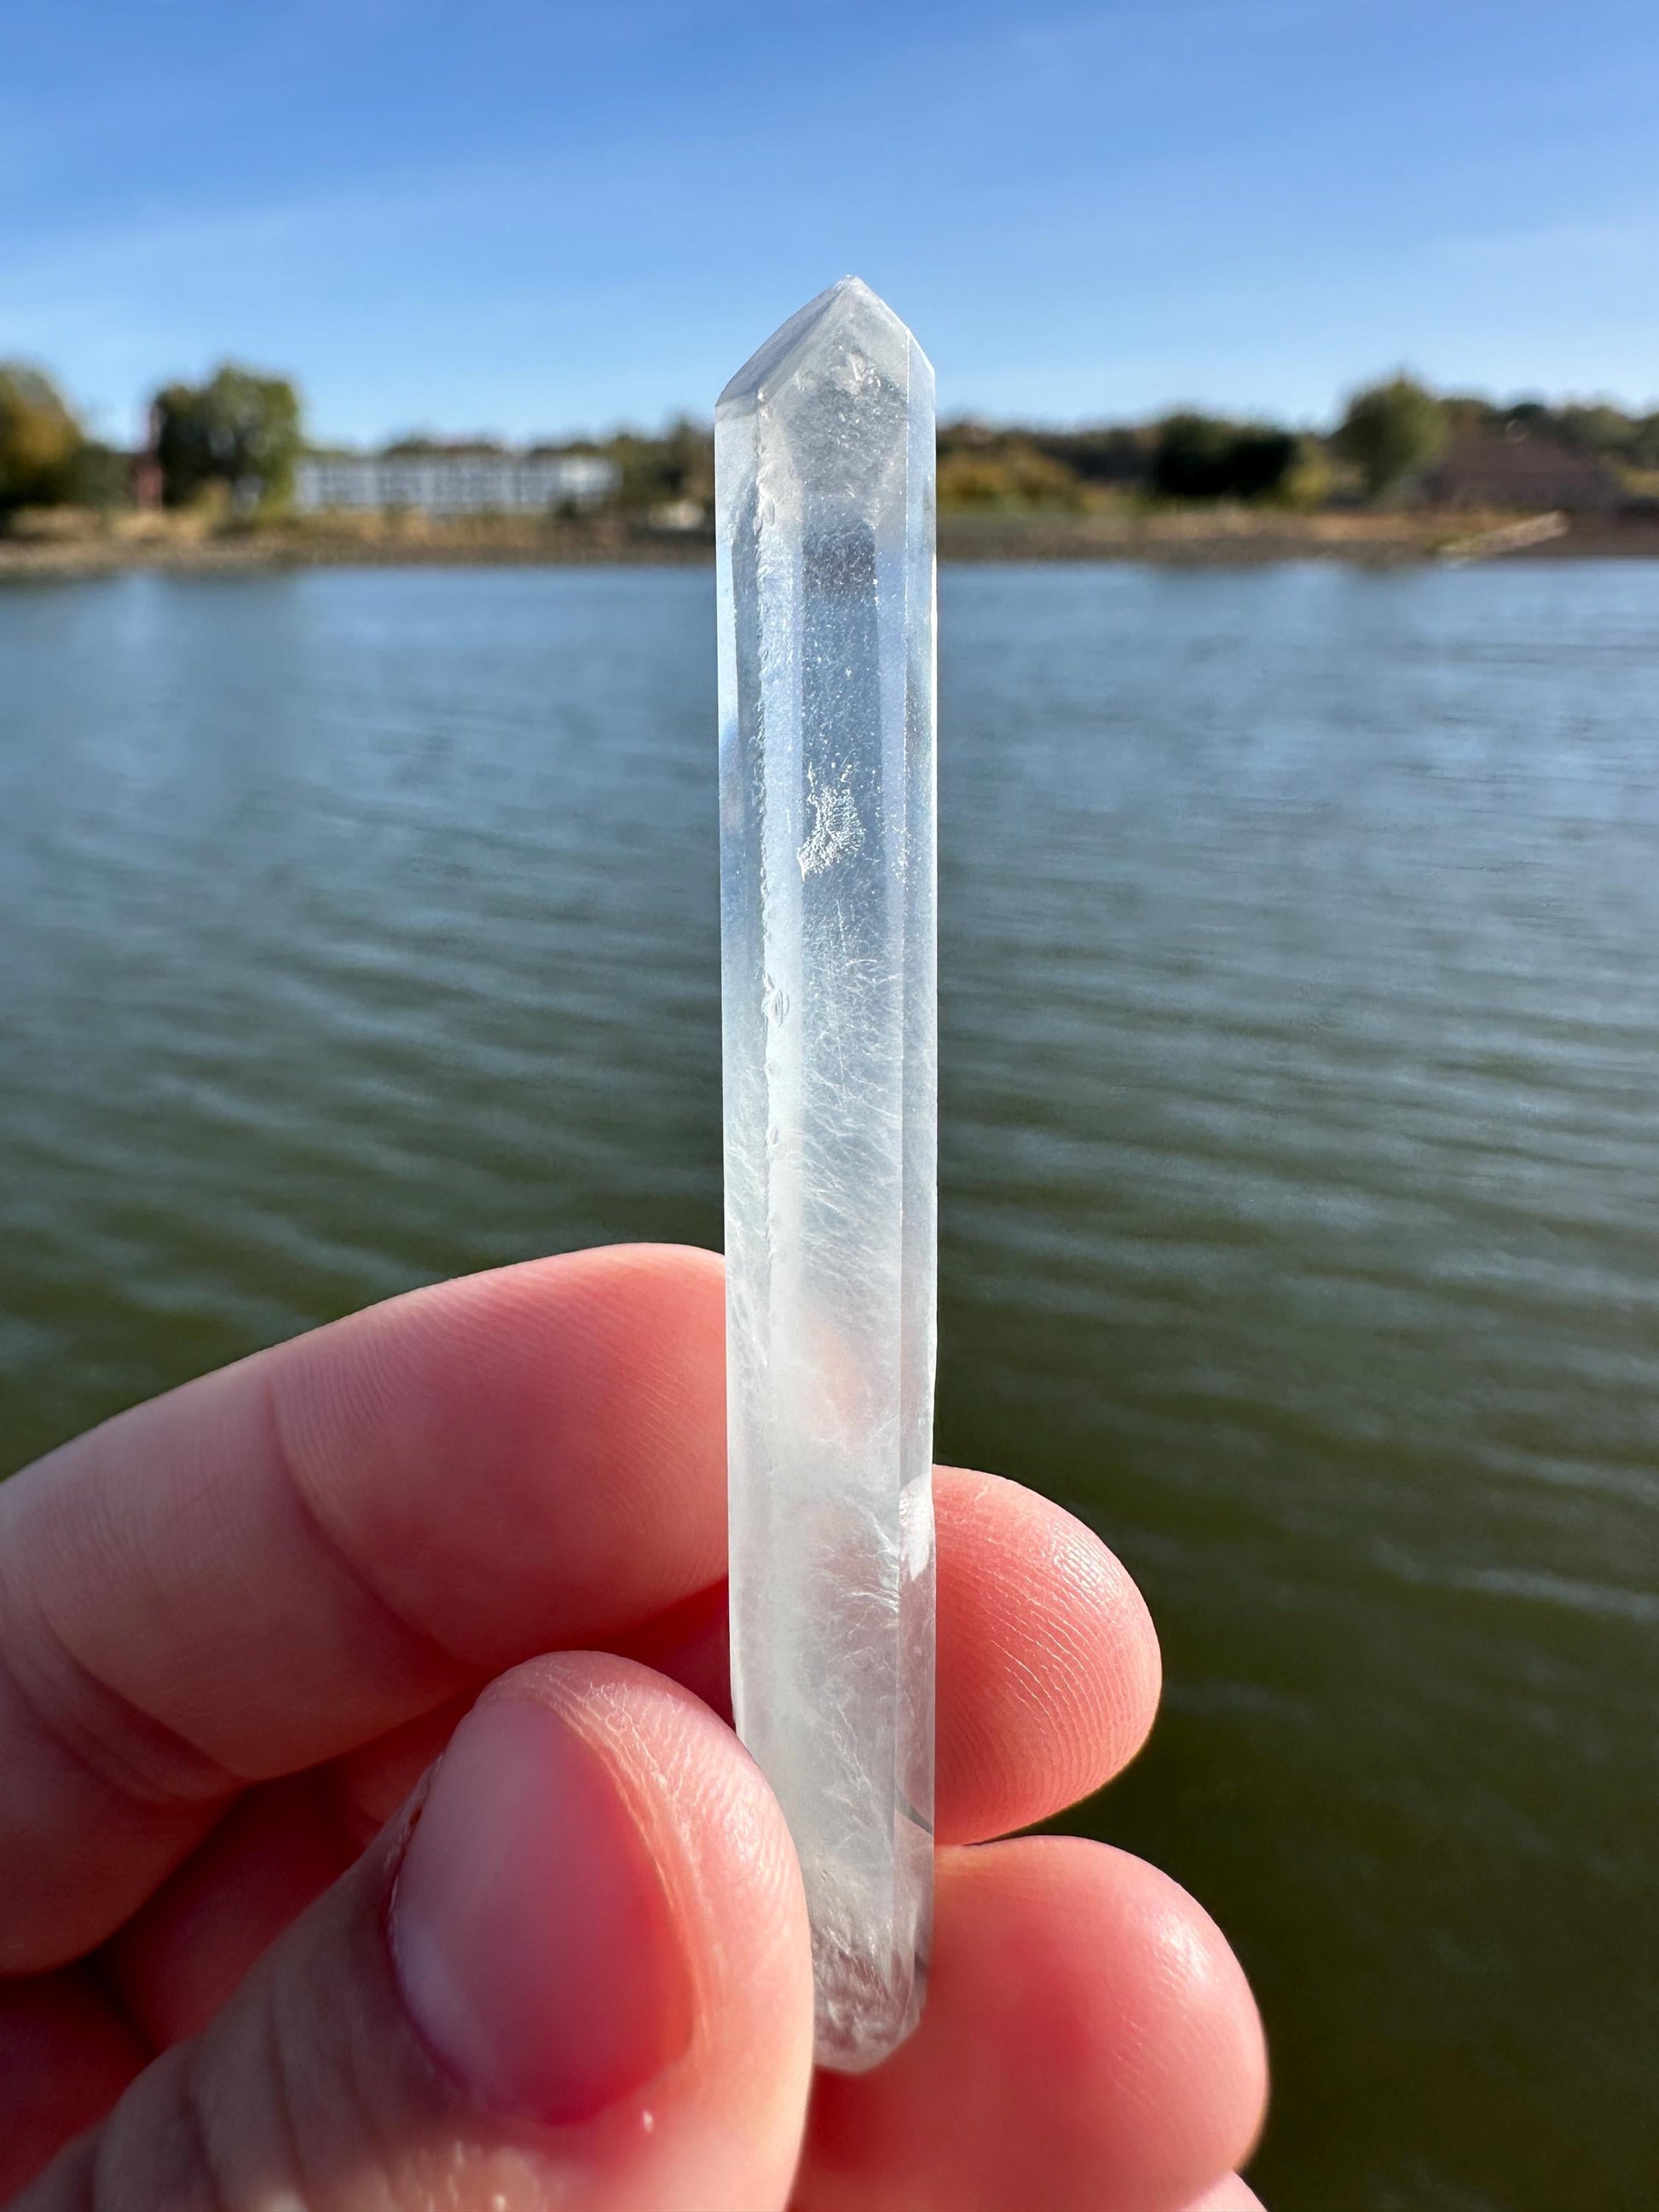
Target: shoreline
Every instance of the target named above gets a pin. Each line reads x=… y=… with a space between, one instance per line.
x=1224 y=537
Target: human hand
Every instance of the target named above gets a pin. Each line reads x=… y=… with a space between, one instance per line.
x=237 y=1625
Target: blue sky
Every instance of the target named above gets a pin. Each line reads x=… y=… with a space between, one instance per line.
x=538 y=218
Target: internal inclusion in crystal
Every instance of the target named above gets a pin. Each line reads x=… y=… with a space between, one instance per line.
x=824 y=464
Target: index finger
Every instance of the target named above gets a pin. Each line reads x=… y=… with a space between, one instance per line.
x=281 y=1561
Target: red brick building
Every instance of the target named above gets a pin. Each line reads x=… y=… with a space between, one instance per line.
x=1519 y=470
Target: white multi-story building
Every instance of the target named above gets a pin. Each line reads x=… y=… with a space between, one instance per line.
x=453 y=483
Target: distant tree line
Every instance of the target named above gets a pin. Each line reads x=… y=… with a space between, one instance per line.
x=231 y=442
x=1389 y=433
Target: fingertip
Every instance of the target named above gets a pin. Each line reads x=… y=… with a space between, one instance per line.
x=1048 y=1662
x=1089 y=2038
x=715 y=1832
x=529 y=1926
x=1102 y=1952
x=599 y=1911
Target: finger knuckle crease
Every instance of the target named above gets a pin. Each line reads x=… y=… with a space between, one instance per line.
x=102 y=1731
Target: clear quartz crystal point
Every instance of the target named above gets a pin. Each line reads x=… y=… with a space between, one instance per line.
x=824 y=486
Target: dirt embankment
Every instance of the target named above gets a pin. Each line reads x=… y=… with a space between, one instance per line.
x=61 y=545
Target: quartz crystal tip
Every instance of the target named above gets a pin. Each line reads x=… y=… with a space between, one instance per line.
x=834 y=321
x=824 y=501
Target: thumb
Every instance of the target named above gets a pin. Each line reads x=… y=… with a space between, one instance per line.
x=575 y=1972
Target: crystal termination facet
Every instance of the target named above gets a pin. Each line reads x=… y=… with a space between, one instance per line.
x=824 y=490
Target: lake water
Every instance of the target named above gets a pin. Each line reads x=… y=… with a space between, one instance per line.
x=1300 y=1080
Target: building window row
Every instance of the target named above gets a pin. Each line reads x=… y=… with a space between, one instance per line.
x=454 y=484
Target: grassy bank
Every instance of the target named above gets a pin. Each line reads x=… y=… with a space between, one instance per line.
x=65 y=543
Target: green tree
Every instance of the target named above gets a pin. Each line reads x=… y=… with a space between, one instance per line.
x=678 y=464
x=1203 y=456
x=99 y=476
x=1191 y=460
x=1389 y=430
x=1115 y=455
x=39 y=439
x=240 y=429
x=1471 y=415
x=1595 y=426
